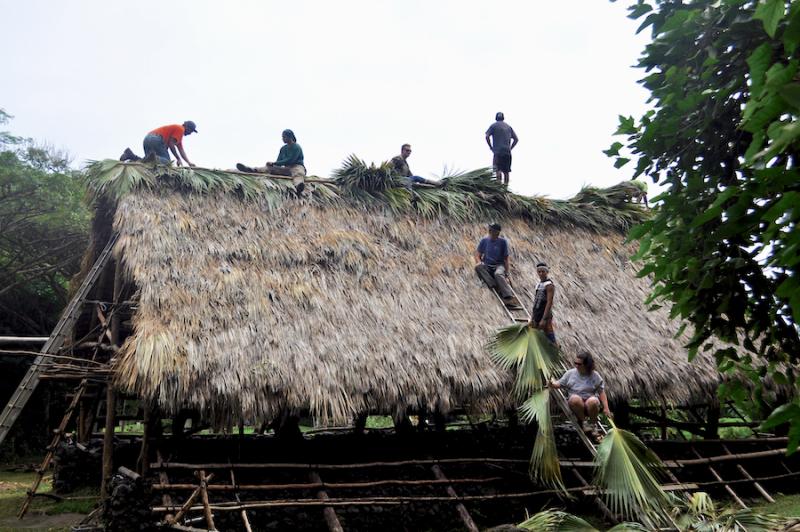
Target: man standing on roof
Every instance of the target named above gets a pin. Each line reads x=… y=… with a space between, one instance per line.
x=542 y=311
x=400 y=166
x=157 y=142
x=289 y=163
x=492 y=265
x=501 y=140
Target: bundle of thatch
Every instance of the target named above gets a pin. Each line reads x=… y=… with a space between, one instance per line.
x=356 y=298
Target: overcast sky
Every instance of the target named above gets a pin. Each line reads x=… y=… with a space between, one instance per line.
x=363 y=77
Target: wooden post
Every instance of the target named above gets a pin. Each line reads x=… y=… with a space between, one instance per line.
x=204 y=498
x=462 y=510
x=144 y=459
x=245 y=520
x=111 y=395
x=622 y=414
x=328 y=512
x=712 y=422
x=360 y=423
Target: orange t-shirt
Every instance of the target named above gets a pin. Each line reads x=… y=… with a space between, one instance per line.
x=174 y=131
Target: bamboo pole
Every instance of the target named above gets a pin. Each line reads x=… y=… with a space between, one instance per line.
x=384 y=501
x=289 y=465
x=730 y=457
x=330 y=485
x=747 y=475
x=716 y=475
x=245 y=520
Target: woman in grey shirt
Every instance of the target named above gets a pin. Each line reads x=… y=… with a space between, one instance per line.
x=585 y=389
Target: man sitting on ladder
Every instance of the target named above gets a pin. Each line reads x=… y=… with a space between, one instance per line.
x=492 y=265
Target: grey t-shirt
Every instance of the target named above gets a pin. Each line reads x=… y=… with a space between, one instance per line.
x=501 y=134
x=584 y=386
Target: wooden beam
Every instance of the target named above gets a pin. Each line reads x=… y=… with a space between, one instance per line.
x=111 y=397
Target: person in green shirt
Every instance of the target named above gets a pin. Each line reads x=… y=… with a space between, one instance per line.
x=289 y=163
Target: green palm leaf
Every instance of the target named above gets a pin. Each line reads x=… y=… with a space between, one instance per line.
x=628 y=472
x=556 y=521
x=544 y=466
x=529 y=352
x=700 y=514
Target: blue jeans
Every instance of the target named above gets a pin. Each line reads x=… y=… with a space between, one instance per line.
x=155 y=144
x=416 y=179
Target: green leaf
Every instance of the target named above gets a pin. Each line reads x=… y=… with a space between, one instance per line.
x=791 y=94
x=791 y=35
x=781 y=415
x=613 y=150
x=556 y=521
x=770 y=12
x=621 y=161
x=626 y=126
x=759 y=61
x=544 y=464
x=628 y=473
x=716 y=208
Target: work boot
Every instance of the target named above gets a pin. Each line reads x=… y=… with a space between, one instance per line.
x=243 y=168
x=512 y=303
x=128 y=155
x=149 y=158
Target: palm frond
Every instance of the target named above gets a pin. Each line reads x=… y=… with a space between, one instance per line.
x=556 y=521
x=356 y=175
x=544 y=465
x=462 y=196
x=529 y=352
x=629 y=527
x=114 y=179
x=700 y=513
x=628 y=473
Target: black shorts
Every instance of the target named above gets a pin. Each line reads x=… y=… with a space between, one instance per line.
x=502 y=161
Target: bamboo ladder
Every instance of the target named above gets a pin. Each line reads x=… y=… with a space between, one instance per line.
x=58 y=337
x=522 y=315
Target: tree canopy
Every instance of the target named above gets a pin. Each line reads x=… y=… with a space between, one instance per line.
x=721 y=138
x=43 y=233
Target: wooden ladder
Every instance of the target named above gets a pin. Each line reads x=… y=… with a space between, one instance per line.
x=58 y=337
x=522 y=315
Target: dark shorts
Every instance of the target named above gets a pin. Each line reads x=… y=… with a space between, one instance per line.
x=502 y=161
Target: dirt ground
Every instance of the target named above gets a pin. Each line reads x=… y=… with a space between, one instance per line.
x=49 y=523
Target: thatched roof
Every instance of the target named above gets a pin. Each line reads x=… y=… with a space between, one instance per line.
x=336 y=304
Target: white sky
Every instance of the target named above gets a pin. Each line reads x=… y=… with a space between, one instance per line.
x=363 y=77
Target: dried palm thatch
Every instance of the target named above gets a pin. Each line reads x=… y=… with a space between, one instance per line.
x=253 y=301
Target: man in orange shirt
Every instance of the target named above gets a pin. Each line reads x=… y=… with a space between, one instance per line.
x=159 y=140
